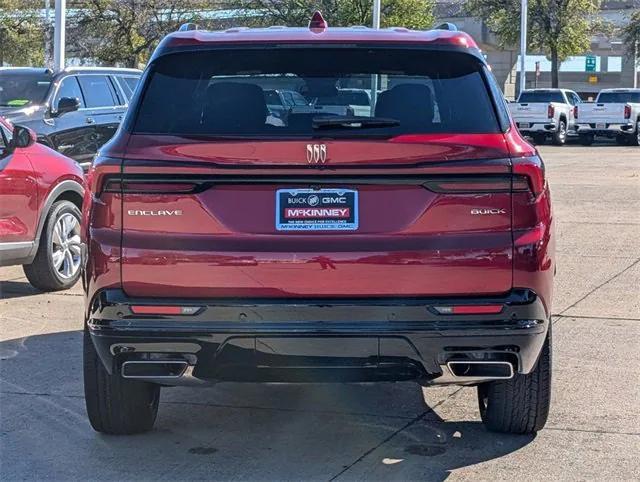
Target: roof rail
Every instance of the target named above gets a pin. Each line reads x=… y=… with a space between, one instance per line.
x=185 y=27
x=447 y=26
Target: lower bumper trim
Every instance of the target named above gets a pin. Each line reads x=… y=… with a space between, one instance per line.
x=419 y=345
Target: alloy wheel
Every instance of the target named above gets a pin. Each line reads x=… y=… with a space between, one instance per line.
x=65 y=246
x=562 y=134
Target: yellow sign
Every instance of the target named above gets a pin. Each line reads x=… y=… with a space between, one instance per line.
x=593 y=79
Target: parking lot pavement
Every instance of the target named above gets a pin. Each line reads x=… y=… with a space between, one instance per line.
x=364 y=431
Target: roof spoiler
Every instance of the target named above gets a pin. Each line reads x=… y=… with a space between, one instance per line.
x=447 y=26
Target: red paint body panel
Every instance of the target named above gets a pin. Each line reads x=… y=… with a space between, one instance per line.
x=229 y=246
x=397 y=152
x=28 y=177
x=102 y=230
x=19 y=199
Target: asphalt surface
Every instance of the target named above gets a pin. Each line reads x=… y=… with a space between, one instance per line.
x=361 y=431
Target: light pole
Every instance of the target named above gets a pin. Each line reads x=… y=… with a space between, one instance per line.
x=376 y=14
x=523 y=44
x=635 y=65
x=47 y=34
x=374 y=77
x=59 y=35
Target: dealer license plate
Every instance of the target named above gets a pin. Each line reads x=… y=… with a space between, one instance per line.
x=316 y=210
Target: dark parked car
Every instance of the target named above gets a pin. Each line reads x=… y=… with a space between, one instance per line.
x=74 y=111
x=281 y=102
x=413 y=243
x=41 y=195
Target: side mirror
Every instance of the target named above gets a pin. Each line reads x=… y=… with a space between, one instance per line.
x=67 y=104
x=23 y=137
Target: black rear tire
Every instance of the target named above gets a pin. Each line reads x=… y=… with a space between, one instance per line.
x=519 y=405
x=586 y=139
x=635 y=140
x=42 y=272
x=539 y=139
x=560 y=136
x=622 y=140
x=116 y=405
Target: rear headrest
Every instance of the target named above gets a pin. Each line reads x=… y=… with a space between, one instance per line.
x=233 y=106
x=411 y=104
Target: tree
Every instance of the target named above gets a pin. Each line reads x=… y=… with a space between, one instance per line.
x=125 y=32
x=559 y=28
x=21 y=32
x=631 y=35
x=416 y=14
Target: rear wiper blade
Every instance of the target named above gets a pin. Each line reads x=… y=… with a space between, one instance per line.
x=352 y=122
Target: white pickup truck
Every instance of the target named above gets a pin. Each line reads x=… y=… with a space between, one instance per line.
x=542 y=113
x=615 y=113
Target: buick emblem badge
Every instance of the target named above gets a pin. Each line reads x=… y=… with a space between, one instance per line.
x=316 y=153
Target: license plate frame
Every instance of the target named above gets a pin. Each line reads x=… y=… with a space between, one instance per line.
x=316 y=210
x=525 y=125
x=601 y=126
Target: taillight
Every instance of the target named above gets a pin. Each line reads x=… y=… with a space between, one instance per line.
x=146 y=186
x=469 y=309
x=575 y=112
x=164 y=310
x=627 y=111
x=477 y=184
x=531 y=169
x=102 y=169
x=550 y=111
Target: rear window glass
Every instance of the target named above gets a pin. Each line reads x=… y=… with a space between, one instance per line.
x=354 y=97
x=69 y=88
x=541 y=96
x=21 y=89
x=97 y=91
x=128 y=85
x=229 y=93
x=618 y=97
x=272 y=97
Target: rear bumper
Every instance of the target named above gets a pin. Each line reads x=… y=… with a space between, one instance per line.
x=609 y=130
x=546 y=127
x=351 y=340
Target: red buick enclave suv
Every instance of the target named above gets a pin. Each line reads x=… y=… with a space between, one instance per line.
x=407 y=239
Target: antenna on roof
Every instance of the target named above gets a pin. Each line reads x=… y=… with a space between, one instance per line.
x=185 y=27
x=447 y=26
x=317 y=23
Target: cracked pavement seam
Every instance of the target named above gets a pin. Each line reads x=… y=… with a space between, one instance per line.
x=599 y=286
x=401 y=429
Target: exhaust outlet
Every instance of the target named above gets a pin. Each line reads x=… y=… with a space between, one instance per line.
x=153 y=368
x=471 y=369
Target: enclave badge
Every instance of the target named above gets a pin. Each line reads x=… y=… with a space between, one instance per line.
x=316 y=153
x=162 y=212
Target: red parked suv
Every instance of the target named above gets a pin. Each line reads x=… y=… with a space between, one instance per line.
x=41 y=195
x=412 y=241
